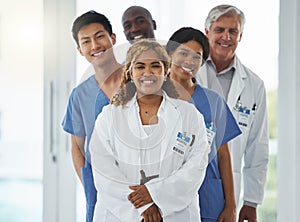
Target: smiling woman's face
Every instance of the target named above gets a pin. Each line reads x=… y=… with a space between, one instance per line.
x=186 y=60
x=148 y=73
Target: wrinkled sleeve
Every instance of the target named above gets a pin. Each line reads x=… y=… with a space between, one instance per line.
x=257 y=152
x=73 y=122
x=177 y=191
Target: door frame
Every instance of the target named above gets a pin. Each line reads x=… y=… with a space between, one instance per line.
x=59 y=180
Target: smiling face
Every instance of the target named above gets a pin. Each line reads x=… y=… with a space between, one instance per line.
x=148 y=73
x=186 y=60
x=138 y=24
x=224 y=36
x=95 y=43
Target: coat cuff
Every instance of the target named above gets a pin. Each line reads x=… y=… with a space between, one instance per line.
x=250 y=204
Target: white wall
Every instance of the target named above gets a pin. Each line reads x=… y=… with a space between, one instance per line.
x=258 y=48
x=21 y=66
x=21 y=88
x=288 y=107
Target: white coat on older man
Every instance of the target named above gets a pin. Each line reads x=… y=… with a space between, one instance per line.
x=250 y=150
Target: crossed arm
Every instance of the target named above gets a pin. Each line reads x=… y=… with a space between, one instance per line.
x=141 y=197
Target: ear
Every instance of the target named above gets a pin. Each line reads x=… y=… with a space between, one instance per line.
x=128 y=74
x=206 y=31
x=166 y=74
x=171 y=57
x=154 y=24
x=241 y=34
x=167 y=70
x=113 y=38
x=79 y=50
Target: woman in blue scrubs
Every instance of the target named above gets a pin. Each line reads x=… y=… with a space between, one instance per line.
x=188 y=47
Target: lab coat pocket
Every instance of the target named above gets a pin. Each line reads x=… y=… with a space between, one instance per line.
x=244 y=119
x=88 y=184
x=211 y=197
x=174 y=161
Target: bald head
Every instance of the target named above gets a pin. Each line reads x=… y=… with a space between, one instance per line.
x=138 y=23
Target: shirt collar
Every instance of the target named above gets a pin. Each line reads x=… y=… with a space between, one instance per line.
x=232 y=65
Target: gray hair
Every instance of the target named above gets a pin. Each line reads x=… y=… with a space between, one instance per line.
x=224 y=10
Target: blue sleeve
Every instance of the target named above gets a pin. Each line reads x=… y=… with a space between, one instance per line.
x=227 y=127
x=73 y=121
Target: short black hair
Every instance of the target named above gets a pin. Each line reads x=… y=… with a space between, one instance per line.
x=88 y=18
x=186 y=34
x=136 y=7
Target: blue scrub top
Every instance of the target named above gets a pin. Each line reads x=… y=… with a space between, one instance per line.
x=214 y=110
x=85 y=103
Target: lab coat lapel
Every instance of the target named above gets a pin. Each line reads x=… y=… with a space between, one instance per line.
x=237 y=85
x=134 y=120
x=170 y=116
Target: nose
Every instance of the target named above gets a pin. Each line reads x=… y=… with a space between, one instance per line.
x=95 y=44
x=135 y=27
x=227 y=35
x=148 y=71
x=189 y=60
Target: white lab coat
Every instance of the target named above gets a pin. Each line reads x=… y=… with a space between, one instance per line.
x=120 y=148
x=252 y=145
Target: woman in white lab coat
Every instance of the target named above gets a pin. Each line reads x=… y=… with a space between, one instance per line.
x=148 y=155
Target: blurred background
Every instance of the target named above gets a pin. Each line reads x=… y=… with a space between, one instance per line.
x=24 y=123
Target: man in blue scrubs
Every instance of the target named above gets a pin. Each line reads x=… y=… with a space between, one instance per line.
x=94 y=37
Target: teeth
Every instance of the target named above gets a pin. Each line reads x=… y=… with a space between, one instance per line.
x=187 y=70
x=138 y=37
x=147 y=81
x=98 y=54
x=224 y=45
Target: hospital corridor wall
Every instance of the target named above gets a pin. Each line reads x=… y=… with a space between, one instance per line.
x=37 y=179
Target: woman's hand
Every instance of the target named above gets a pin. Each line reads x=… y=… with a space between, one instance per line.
x=140 y=196
x=152 y=214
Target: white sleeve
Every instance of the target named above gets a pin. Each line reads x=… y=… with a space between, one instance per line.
x=177 y=191
x=257 y=152
x=108 y=178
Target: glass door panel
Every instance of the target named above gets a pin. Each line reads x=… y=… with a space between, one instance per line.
x=21 y=111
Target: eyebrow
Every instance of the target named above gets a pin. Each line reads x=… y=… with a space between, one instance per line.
x=155 y=62
x=143 y=63
x=135 y=18
x=96 y=33
x=186 y=50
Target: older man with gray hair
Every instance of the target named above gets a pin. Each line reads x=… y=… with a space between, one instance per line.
x=245 y=94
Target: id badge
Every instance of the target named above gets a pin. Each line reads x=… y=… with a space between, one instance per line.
x=182 y=141
x=244 y=116
x=210 y=132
